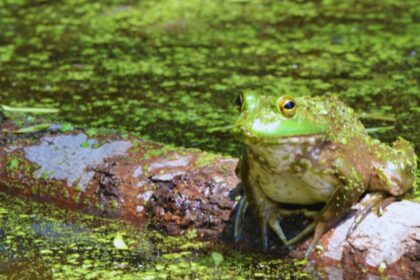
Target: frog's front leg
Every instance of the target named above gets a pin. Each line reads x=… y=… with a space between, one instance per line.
x=269 y=214
x=274 y=223
x=349 y=190
x=267 y=210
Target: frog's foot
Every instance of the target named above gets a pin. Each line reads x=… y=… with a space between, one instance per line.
x=270 y=216
x=311 y=214
x=239 y=216
x=275 y=226
x=371 y=202
x=276 y=215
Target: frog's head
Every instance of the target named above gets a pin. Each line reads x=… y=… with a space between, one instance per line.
x=276 y=119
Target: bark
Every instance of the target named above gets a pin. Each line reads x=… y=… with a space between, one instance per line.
x=179 y=189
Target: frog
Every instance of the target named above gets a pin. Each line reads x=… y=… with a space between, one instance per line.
x=303 y=151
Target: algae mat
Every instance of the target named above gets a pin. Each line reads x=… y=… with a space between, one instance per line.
x=170 y=70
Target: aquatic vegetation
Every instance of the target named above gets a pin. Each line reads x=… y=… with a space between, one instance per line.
x=171 y=70
x=39 y=241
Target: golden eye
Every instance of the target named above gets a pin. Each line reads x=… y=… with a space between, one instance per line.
x=287 y=106
x=239 y=101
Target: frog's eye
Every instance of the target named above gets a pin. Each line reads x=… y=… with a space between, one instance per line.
x=287 y=106
x=239 y=101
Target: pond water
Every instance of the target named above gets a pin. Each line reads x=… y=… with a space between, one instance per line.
x=170 y=71
x=39 y=241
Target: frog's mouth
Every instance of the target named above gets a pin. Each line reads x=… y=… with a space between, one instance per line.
x=252 y=140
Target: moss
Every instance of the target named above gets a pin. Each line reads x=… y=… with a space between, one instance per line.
x=76 y=197
x=153 y=151
x=113 y=205
x=206 y=159
x=65 y=193
x=12 y=164
x=85 y=144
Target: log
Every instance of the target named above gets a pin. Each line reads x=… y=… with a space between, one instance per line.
x=387 y=245
x=177 y=189
x=103 y=173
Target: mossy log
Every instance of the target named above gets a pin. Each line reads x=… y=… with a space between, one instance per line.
x=105 y=173
x=176 y=189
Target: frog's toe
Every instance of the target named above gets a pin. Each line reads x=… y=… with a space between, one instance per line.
x=269 y=217
x=275 y=226
x=239 y=216
x=309 y=250
x=371 y=202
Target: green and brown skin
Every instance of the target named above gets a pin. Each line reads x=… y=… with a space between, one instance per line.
x=310 y=150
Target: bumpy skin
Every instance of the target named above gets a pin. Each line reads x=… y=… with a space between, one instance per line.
x=319 y=154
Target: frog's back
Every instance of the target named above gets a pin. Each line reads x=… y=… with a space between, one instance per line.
x=390 y=169
x=342 y=121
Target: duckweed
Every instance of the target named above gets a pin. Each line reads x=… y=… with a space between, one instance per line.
x=39 y=241
x=170 y=70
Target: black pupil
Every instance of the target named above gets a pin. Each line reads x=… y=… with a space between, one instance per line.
x=289 y=105
x=238 y=101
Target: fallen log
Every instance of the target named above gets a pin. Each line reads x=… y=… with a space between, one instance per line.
x=180 y=189
x=104 y=173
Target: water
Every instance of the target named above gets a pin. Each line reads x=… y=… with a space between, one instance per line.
x=171 y=70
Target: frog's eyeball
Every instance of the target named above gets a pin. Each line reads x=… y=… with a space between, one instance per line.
x=239 y=101
x=287 y=106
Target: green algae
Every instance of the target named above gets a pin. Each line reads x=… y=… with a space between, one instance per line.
x=170 y=70
x=39 y=241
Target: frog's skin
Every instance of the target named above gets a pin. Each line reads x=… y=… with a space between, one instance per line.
x=309 y=150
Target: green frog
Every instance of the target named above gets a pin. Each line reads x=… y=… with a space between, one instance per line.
x=306 y=151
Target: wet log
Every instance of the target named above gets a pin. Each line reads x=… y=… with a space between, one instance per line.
x=108 y=174
x=176 y=189
x=387 y=245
